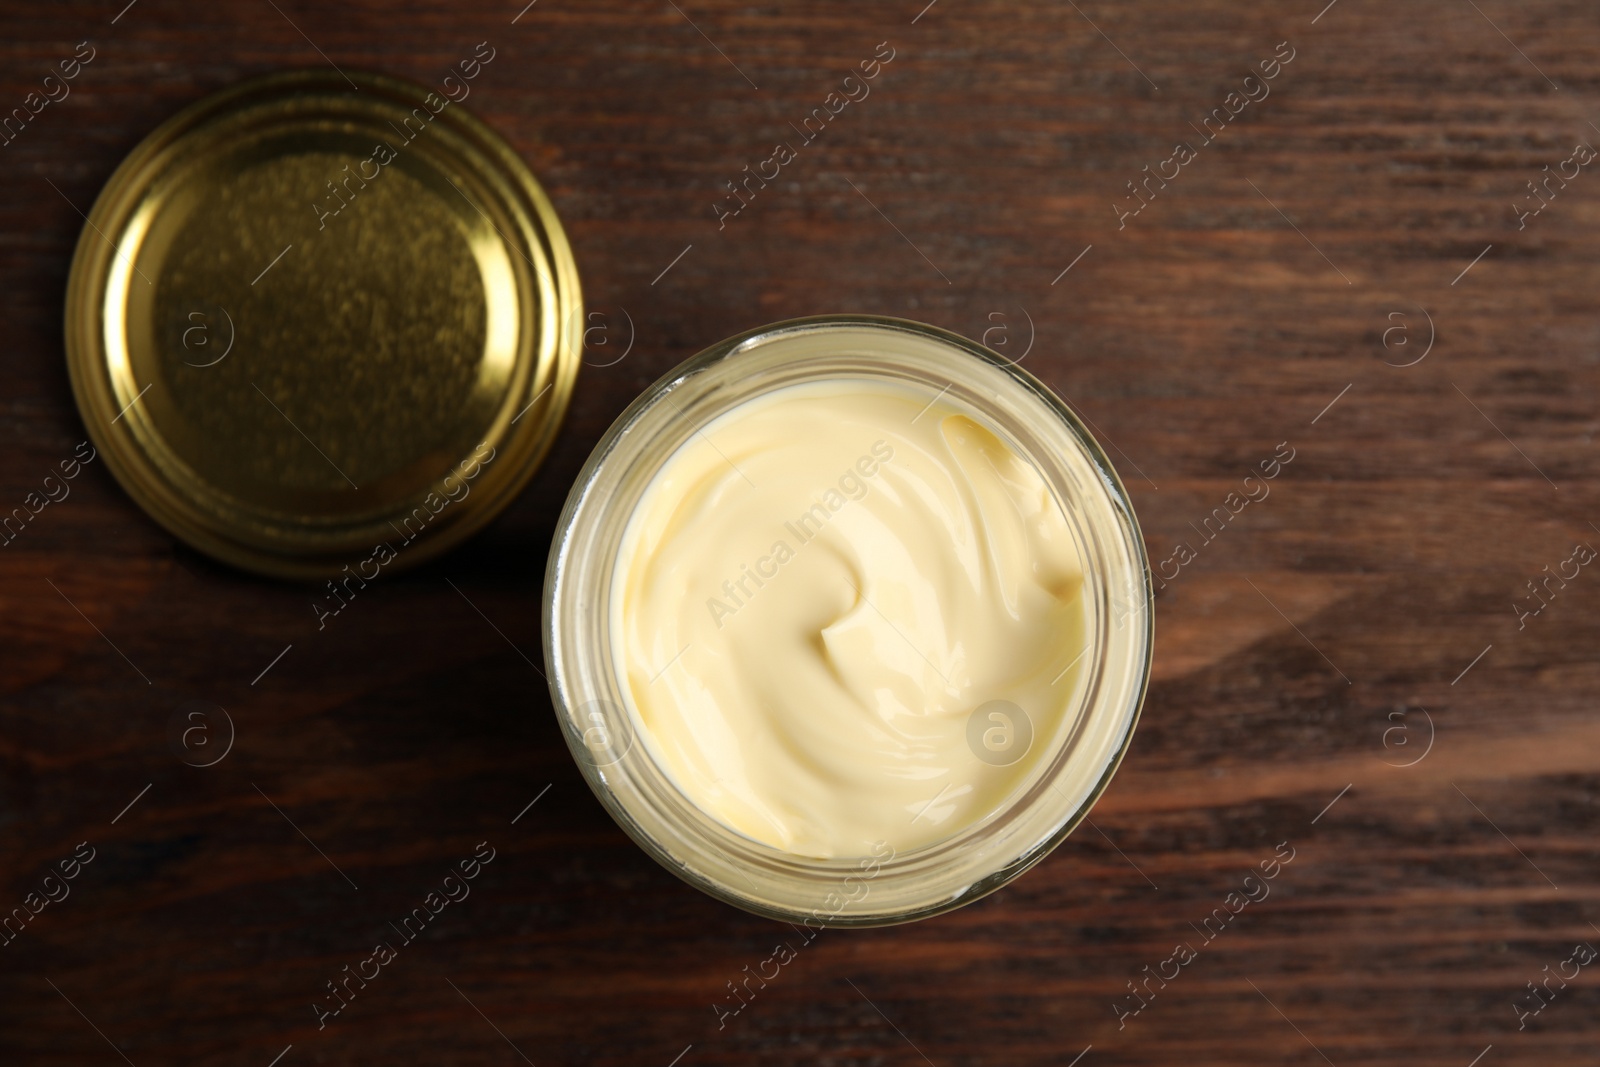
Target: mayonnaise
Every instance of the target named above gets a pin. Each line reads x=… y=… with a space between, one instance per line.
x=818 y=601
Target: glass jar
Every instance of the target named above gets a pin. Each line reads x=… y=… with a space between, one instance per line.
x=886 y=887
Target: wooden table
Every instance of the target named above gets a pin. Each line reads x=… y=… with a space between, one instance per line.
x=1339 y=267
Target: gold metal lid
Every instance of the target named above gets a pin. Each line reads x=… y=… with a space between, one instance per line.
x=310 y=325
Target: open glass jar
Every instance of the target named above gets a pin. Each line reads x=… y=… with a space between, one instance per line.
x=614 y=750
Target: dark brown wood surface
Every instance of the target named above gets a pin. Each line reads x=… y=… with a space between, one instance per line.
x=1359 y=619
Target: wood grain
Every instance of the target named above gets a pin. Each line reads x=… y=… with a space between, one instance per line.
x=1253 y=290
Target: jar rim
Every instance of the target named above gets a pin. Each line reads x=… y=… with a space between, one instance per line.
x=975 y=859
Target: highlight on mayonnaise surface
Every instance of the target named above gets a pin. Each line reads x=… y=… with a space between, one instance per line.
x=846 y=613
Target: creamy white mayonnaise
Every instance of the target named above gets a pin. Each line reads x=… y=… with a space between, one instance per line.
x=819 y=601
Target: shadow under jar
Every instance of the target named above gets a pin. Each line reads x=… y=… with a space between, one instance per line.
x=1005 y=782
